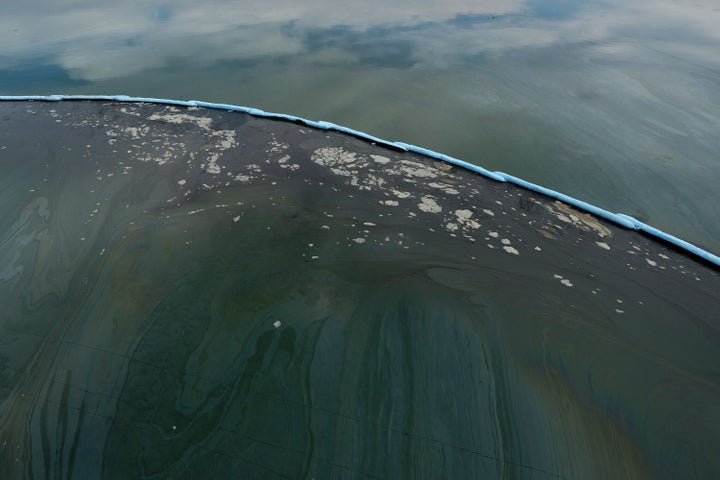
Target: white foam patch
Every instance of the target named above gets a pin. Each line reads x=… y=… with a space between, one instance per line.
x=415 y=169
x=339 y=161
x=445 y=188
x=429 y=205
x=400 y=194
x=464 y=218
x=463 y=215
x=563 y=280
x=178 y=118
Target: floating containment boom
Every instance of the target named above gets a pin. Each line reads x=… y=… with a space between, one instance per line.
x=194 y=290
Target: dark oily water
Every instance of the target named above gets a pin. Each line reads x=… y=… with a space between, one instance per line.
x=192 y=293
x=613 y=102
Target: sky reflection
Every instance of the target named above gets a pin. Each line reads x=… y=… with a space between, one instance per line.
x=617 y=103
x=102 y=40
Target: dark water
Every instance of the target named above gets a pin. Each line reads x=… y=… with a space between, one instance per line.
x=616 y=103
x=199 y=294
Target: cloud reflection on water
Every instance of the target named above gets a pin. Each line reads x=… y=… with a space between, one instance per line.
x=100 y=41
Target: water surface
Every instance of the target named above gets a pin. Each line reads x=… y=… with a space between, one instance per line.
x=161 y=318
x=198 y=293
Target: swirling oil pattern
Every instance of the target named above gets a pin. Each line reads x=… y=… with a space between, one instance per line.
x=192 y=293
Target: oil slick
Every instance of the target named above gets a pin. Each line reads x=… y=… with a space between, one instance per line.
x=257 y=298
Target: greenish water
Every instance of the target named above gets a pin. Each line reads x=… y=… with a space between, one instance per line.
x=615 y=103
x=190 y=293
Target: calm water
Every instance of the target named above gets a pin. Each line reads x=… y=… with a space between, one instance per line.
x=203 y=294
x=616 y=103
x=212 y=295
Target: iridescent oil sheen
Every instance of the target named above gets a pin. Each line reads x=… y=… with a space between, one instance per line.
x=190 y=293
